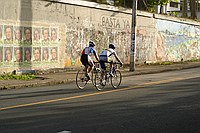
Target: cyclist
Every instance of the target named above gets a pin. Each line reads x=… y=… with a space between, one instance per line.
x=106 y=57
x=86 y=59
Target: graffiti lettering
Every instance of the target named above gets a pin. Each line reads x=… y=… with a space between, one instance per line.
x=110 y=22
x=126 y=24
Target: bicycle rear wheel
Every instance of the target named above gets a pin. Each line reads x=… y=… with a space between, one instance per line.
x=116 y=79
x=81 y=79
x=98 y=81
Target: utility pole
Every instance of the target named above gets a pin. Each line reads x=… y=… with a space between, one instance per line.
x=133 y=36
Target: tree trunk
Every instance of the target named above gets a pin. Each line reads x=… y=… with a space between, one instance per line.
x=193 y=9
x=185 y=8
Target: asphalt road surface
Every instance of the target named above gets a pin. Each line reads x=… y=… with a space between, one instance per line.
x=166 y=102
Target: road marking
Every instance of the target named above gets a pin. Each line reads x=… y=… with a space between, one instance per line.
x=65 y=132
x=93 y=94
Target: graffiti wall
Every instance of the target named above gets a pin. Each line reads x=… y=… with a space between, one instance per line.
x=177 y=41
x=108 y=29
x=28 y=47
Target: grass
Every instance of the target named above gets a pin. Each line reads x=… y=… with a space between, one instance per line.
x=170 y=63
x=194 y=60
x=17 y=77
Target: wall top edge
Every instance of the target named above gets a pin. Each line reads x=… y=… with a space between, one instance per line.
x=93 y=5
x=175 y=19
x=145 y=14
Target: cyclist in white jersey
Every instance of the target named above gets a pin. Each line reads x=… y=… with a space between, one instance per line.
x=106 y=57
x=86 y=59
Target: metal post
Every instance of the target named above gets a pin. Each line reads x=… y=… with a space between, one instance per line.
x=133 y=36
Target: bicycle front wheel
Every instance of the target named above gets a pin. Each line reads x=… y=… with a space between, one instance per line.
x=116 y=79
x=81 y=79
x=94 y=72
x=98 y=80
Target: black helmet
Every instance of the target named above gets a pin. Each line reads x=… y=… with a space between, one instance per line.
x=112 y=45
x=91 y=44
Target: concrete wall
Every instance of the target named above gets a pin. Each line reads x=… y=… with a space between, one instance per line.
x=71 y=25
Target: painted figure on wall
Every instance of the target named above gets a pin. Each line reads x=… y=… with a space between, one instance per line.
x=53 y=34
x=195 y=49
x=36 y=35
x=159 y=48
x=18 y=54
x=18 y=34
x=45 y=35
x=54 y=54
x=45 y=54
x=37 y=54
x=27 y=35
x=8 y=34
x=8 y=54
x=27 y=54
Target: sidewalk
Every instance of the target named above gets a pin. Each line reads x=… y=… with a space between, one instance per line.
x=59 y=77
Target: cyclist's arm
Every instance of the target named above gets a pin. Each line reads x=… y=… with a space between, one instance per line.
x=116 y=56
x=96 y=56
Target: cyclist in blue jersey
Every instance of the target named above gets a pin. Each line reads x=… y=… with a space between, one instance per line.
x=86 y=59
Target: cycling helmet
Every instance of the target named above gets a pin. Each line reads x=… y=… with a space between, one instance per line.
x=112 y=46
x=91 y=44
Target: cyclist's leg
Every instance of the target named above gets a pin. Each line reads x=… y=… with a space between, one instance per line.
x=103 y=72
x=90 y=64
x=84 y=61
x=111 y=66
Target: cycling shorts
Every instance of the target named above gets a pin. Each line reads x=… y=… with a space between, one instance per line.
x=104 y=59
x=86 y=60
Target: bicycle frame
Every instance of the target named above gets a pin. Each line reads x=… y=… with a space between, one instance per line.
x=104 y=77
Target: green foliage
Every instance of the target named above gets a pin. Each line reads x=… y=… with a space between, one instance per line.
x=158 y=2
x=194 y=60
x=175 y=14
x=152 y=10
x=17 y=77
x=170 y=63
x=160 y=63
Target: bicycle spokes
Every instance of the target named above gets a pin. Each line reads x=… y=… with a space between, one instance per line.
x=116 y=79
x=99 y=81
x=81 y=79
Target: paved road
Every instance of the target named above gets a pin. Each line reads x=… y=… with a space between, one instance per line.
x=163 y=102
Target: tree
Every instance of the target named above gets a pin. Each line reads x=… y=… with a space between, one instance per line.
x=161 y=3
x=193 y=9
x=185 y=8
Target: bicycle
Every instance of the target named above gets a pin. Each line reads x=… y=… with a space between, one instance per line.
x=102 y=78
x=82 y=79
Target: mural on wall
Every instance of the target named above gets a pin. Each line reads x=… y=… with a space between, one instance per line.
x=177 y=41
x=144 y=44
x=28 y=46
x=110 y=29
x=76 y=40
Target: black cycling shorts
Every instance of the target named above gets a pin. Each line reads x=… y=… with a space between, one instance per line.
x=84 y=60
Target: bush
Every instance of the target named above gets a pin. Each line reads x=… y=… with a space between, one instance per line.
x=17 y=77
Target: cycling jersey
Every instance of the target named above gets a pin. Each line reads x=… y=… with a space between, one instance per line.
x=88 y=50
x=106 y=54
x=85 y=57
